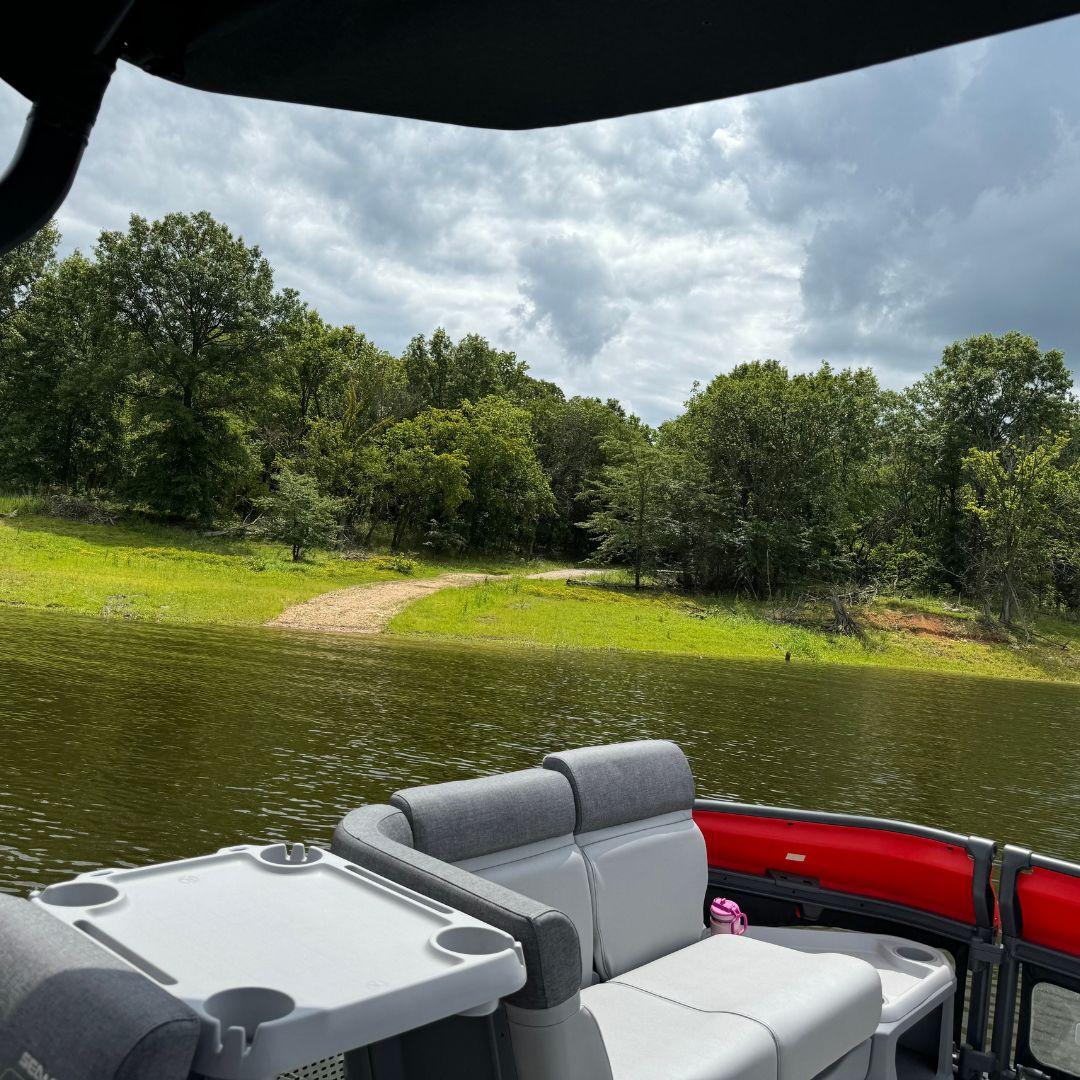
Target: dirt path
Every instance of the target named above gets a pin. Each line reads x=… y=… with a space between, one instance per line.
x=368 y=609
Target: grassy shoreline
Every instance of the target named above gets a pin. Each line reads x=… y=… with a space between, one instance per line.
x=166 y=574
x=903 y=634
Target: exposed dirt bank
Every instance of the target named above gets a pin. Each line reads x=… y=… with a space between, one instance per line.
x=368 y=609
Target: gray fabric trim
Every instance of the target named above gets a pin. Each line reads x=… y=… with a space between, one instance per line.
x=625 y=781
x=542 y=1018
x=465 y=818
x=630 y=828
x=517 y=854
x=547 y=936
x=396 y=827
x=79 y=1011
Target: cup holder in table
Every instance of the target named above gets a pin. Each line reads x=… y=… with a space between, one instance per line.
x=913 y=952
x=283 y=855
x=472 y=940
x=80 y=894
x=247 y=1007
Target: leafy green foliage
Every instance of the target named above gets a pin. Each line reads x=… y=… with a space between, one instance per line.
x=476 y=465
x=166 y=372
x=988 y=393
x=575 y=439
x=443 y=375
x=196 y=305
x=1025 y=506
x=771 y=483
x=298 y=514
x=774 y=472
x=634 y=523
x=60 y=375
x=21 y=268
x=421 y=475
x=508 y=491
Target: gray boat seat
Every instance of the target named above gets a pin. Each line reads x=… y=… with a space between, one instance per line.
x=71 y=1010
x=814 y=1009
x=594 y=862
x=514 y=829
x=648 y=870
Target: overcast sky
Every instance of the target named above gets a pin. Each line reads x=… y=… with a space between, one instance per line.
x=869 y=218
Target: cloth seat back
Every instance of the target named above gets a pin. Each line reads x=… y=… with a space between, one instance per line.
x=515 y=830
x=646 y=860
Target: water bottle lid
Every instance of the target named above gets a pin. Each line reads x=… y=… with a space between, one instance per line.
x=722 y=908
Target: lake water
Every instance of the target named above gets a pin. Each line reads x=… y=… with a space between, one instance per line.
x=126 y=743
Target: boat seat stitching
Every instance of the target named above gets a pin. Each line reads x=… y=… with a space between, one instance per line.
x=705 y=1012
x=479 y=871
x=627 y=827
x=607 y=973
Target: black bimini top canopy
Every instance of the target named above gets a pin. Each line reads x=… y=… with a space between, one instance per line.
x=484 y=63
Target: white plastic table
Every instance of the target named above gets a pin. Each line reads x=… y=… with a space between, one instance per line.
x=290 y=956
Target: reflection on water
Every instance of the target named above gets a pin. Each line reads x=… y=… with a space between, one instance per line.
x=127 y=743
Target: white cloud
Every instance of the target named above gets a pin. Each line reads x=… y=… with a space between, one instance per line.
x=571 y=292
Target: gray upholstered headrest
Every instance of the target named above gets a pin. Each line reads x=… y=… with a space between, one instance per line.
x=70 y=1009
x=625 y=781
x=466 y=818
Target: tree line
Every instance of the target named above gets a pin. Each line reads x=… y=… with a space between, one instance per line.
x=966 y=483
x=167 y=372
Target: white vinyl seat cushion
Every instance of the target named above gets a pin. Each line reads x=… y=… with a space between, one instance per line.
x=815 y=1008
x=648 y=1037
x=648 y=881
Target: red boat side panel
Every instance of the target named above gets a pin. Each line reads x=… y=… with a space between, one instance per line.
x=914 y=871
x=1050 y=910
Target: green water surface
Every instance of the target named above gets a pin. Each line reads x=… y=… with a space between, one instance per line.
x=127 y=743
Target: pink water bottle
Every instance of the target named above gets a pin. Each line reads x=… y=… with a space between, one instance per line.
x=726 y=917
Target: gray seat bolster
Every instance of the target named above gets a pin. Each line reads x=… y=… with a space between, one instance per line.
x=624 y=782
x=70 y=1009
x=462 y=819
x=379 y=838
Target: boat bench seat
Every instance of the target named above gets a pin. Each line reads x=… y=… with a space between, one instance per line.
x=595 y=864
x=809 y=1011
x=648 y=873
x=647 y=1037
x=71 y=1010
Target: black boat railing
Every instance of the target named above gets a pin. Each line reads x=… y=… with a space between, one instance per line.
x=1037 y=1012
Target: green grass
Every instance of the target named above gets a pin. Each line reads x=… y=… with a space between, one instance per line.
x=167 y=574
x=609 y=616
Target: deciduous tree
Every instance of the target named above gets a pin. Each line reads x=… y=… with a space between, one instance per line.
x=634 y=524
x=1021 y=499
x=298 y=514
x=21 y=268
x=197 y=306
x=62 y=385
